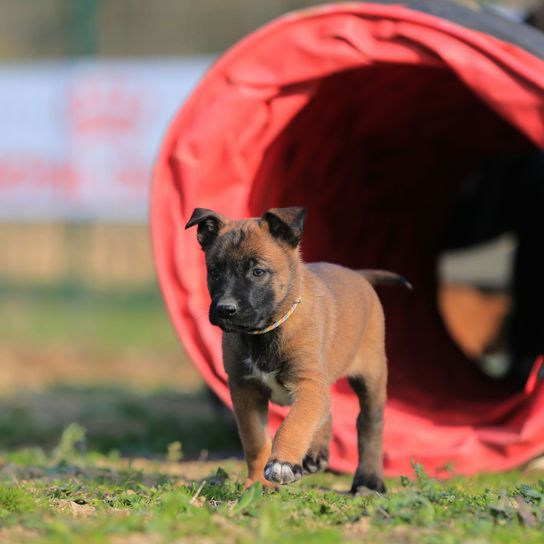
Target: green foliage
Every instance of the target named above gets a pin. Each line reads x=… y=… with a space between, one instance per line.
x=137 y=423
x=249 y=499
x=72 y=495
x=175 y=452
x=49 y=314
x=14 y=500
x=72 y=443
x=428 y=503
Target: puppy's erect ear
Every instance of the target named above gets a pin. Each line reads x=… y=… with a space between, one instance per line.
x=286 y=224
x=209 y=224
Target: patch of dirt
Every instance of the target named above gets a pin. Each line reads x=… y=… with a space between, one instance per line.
x=357 y=530
x=188 y=471
x=75 y=509
x=16 y=533
x=137 y=538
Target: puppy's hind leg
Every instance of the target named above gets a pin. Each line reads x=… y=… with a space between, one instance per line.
x=317 y=457
x=371 y=394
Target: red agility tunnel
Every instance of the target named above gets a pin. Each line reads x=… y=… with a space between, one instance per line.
x=370 y=115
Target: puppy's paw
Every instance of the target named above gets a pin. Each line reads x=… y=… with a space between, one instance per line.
x=316 y=461
x=363 y=483
x=282 y=472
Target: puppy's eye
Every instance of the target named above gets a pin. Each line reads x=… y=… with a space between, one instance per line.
x=259 y=272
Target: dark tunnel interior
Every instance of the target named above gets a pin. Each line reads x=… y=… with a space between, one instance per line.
x=383 y=157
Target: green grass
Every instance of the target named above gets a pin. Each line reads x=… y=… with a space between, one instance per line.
x=69 y=495
x=133 y=469
x=127 y=463
x=131 y=422
x=72 y=333
x=39 y=315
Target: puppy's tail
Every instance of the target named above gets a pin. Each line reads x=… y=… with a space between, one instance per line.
x=384 y=277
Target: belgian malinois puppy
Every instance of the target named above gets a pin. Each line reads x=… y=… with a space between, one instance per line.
x=290 y=330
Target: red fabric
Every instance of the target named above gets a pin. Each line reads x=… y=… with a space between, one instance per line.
x=370 y=116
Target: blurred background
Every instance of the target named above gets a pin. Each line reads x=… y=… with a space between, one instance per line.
x=87 y=89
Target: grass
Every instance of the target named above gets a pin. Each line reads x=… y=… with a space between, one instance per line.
x=50 y=314
x=69 y=495
x=132 y=422
x=72 y=333
x=106 y=437
x=136 y=468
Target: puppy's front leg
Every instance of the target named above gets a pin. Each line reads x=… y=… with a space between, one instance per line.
x=309 y=410
x=251 y=412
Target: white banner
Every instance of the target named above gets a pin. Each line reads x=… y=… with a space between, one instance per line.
x=78 y=140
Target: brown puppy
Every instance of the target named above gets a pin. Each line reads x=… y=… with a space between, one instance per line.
x=290 y=331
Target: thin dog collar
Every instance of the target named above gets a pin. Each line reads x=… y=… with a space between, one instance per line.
x=280 y=321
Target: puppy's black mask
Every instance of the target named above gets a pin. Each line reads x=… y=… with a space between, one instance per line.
x=242 y=279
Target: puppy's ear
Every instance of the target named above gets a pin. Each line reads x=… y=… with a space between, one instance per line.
x=286 y=224
x=209 y=224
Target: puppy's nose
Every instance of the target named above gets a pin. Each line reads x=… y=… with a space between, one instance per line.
x=227 y=308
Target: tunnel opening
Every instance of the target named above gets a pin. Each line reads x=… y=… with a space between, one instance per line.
x=378 y=156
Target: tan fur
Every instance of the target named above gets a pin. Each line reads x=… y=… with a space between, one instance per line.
x=337 y=331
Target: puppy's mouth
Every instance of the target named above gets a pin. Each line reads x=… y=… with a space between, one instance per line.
x=234 y=328
x=237 y=327
x=227 y=325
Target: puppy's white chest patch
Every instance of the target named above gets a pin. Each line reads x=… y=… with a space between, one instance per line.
x=278 y=393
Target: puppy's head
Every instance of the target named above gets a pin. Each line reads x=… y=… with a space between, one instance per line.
x=252 y=265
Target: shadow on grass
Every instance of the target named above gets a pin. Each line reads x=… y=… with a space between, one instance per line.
x=131 y=422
